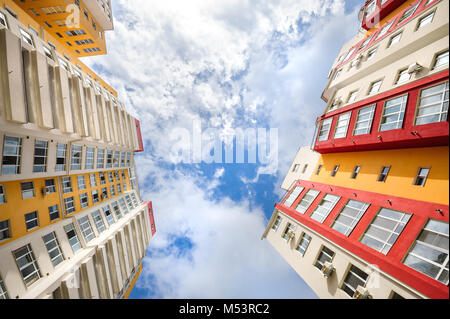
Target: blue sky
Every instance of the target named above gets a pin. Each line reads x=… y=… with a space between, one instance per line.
x=229 y=64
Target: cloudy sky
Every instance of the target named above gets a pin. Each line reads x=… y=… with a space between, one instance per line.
x=220 y=65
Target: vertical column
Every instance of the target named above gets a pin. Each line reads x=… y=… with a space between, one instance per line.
x=88 y=271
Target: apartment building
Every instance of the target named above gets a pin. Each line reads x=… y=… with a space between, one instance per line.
x=371 y=221
x=72 y=223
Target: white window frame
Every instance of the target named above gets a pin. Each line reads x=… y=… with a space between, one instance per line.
x=100 y=158
x=307 y=200
x=347 y=285
x=370 y=110
x=3 y=20
x=86 y=228
x=2 y=195
x=383 y=174
x=324 y=134
x=408 y=13
x=52 y=211
x=76 y=155
x=66 y=183
x=324 y=208
x=98 y=221
x=116 y=210
x=357 y=209
x=81 y=182
x=30 y=261
x=355 y=171
x=90 y=154
x=52 y=245
x=3 y=290
x=403 y=76
x=303 y=244
x=375 y=87
x=69 y=205
x=276 y=223
x=395 y=39
x=289 y=227
x=123 y=206
x=443 y=109
x=421 y=178
x=9 y=143
x=440 y=57
x=108 y=215
x=75 y=244
x=32 y=220
x=28 y=192
x=425 y=20
x=403 y=102
x=61 y=154
x=84 y=204
x=41 y=167
x=5 y=230
x=341 y=129
x=293 y=196
x=352 y=96
x=328 y=257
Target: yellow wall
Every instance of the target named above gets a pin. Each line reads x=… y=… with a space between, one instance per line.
x=404 y=167
x=15 y=207
x=390 y=16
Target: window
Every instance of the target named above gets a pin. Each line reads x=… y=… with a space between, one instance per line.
x=395 y=39
x=73 y=237
x=54 y=251
x=61 y=151
x=124 y=186
x=84 y=202
x=122 y=160
x=366 y=42
x=3 y=292
x=104 y=194
x=318 y=169
x=289 y=228
x=296 y=167
x=50 y=186
x=81 y=182
x=336 y=75
x=385 y=229
x=12 y=151
x=95 y=198
x=276 y=223
x=324 y=208
x=3 y=20
x=375 y=87
x=119 y=189
x=67 y=184
x=441 y=59
x=429 y=254
x=334 y=171
x=53 y=212
x=370 y=7
x=75 y=163
x=393 y=113
x=89 y=163
x=86 y=229
x=5 y=232
x=408 y=13
x=117 y=176
x=433 y=104
x=303 y=244
x=355 y=172
x=73 y=33
x=425 y=20
x=40 y=156
x=109 y=158
x=26 y=37
x=112 y=190
x=304 y=168
x=123 y=206
x=100 y=158
x=307 y=200
x=108 y=215
x=27 y=190
x=102 y=178
x=385 y=29
x=293 y=196
x=110 y=177
x=27 y=264
x=371 y=53
x=352 y=97
x=117 y=210
x=130 y=205
x=69 y=205
x=98 y=220
x=123 y=175
x=364 y=120
x=135 y=202
x=128 y=159
x=349 y=217
x=342 y=125
x=325 y=129
x=355 y=277
x=2 y=195
x=421 y=176
x=116 y=158
x=92 y=180
x=403 y=76
x=326 y=255
x=384 y=173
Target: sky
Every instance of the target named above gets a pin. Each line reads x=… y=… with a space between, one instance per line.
x=182 y=67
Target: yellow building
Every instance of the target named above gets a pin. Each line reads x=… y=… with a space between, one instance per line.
x=72 y=224
x=368 y=215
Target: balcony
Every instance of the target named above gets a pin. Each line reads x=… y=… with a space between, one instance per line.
x=412 y=115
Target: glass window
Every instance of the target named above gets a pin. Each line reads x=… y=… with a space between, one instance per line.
x=50 y=186
x=67 y=184
x=2 y=195
x=116 y=209
x=116 y=158
x=75 y=163
x=95 y=198
x=384 y=173
x=12 y=152
x=326 y=255
x=307 y=200
x=364 y=120
x=334 y=171
x=61 y=151
x=289 y=228
x=433 y=104
x=100 y=158
x=3 y=22
x=408 y=12
x=393 y=113
x=385 y=29
x=93 y=180
x=342 y=125
x=84 y=202
x=349 y=217
x=385 y=229
x=425 y=20
x=355 y=172
x=366 y=42
x=110 y=177
x=293 y=195
x=69 y=205
x=26 y=37
x=303 y=244
x=129 y=203
x=122 y=160
x=104 y=193
x=108 y=215
x=123 y=206
x=403 y=76
x=53 y=212
x=27 y=264
x=325 y=129
x=119 y=189
x=375 y=87
x=54 y=251
x=3 y=291
x=135 y=202
x=73 y=237
x=441 y=60
x=98 y=220
x=86 y=229
x=276 y=223
x=128 y=159
x=370 y=7
x=5 y=231
x=395 y=39
x=109 y=158
x=429 y=254
x=421 y=176
x=355 y=277
x=40 y=156
x=324 y=208
x=27 y=190
x=318 y=169
x=352 y=97
x=102 y=178
x=371 y=53
x=89 y=163
x=81 y=182
x=296 y=167
x=112 y=190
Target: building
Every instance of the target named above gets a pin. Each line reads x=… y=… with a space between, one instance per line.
x=371 y=221
x=72 y=223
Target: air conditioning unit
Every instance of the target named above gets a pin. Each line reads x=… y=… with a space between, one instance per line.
x=414 y=68
x=290 y=234
x=361 y=293
x=327 y=269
